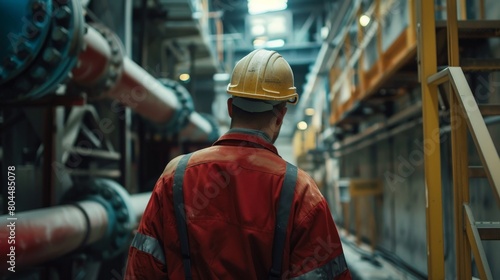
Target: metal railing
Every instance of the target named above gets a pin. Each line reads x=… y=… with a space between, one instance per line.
x=465 y=108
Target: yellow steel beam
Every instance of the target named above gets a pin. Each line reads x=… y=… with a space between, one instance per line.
x=463 y=9
x=460 y=169
x=481 y=9
x=452 y=32
x=434 y=205
x=460 y=158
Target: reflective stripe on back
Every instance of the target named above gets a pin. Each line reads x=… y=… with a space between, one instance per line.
x=282 y=216
x=180 y=214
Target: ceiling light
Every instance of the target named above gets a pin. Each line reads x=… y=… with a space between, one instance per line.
x=258 y=30
x=221 y=77
x=364 y=20
x=302 y=125
x=259 y=42
x=264 y=6
x=275 y=43
x=184 y=77
x=277 y=25
x=324 y=32
x=309 y=112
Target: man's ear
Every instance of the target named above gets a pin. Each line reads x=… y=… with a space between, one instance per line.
x=230 y=107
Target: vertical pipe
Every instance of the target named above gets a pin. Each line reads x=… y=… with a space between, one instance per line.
x=430 y=113
x=220 y=38
x=48 y=157
x=128 y=28
x=125 y=123
x=144 y=37
x=125 y=148
x=481 y=10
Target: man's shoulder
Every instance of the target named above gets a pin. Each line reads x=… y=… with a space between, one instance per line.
x=173 y=163
x=307 y=189
x=171 y=166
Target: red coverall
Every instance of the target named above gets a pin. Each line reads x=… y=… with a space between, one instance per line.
x=230 y=195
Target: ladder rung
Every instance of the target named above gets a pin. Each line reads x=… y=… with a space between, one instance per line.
x=480 y=64
x=488 y=230
x=489 y=110
x=476 y=172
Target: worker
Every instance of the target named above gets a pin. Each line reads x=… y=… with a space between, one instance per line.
x=237 y=210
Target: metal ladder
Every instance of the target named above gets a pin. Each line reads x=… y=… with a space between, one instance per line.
x=464 y=110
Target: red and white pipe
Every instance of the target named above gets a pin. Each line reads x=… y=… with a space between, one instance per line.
x=134 y=87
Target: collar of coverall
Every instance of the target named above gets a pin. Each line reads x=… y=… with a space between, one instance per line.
x=255 y=138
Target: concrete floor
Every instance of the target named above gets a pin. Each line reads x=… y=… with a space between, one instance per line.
x=365 y=265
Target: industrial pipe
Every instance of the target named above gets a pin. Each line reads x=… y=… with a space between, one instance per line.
x=103 y=67
x=139 y=203
x=46 y=41
x=46 y=234
x=40 y=43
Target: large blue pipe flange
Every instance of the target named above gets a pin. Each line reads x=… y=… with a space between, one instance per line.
x=181 y=116
x=121 y=216
x=45 y=38
x=24 y=29
x=114 y=67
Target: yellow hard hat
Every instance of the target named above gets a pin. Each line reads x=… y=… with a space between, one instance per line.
x=263 y=75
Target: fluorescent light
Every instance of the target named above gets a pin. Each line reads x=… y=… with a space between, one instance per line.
x=264 y=6
x=364 y=20
x=278 y=43
x=302 y=125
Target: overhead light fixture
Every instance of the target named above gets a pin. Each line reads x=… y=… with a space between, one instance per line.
x=258 y=30
x=302 y=125
x=324 y=32
x=364 y=20
x=184 y=77
x=310 y=112
x=278 y=43
x=264 y=6
x=277 y=24
x=221 y=77
x=259 y=42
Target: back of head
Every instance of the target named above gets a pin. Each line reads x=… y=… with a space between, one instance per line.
x=262 y=80
x=261 y=85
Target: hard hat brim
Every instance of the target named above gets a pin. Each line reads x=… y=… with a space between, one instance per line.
x=254 y=105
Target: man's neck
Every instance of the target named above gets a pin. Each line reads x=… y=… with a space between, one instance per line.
x=266 y=131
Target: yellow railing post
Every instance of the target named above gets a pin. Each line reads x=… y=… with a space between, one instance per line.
x=434 y=208
x=459 y=152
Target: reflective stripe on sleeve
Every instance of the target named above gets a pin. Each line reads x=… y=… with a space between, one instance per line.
x=148 y=245
x=330 y=270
